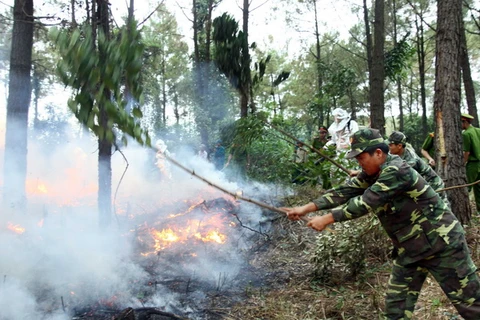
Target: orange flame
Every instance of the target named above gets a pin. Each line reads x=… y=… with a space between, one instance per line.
x=195 y=230
x=16 y=228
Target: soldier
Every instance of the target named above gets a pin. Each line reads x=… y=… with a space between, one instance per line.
x=427 y=235
x=397 y=143
x=471 y=155
x=322 y=139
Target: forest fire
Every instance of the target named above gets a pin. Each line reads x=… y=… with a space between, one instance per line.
x=71 y=192
x=171 y=242
x=201 y=224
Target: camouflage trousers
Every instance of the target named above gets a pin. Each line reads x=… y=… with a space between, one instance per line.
x=456 y=274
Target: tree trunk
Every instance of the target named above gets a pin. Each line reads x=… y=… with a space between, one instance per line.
x=449 y=152
x=243 y=104
x=377 y=72
x=72 y=8
x=201 y=69
x=245 y=92
x=399 y=79
x=196 y=51
x=368 y=36
x=104 y=145
x=208 y=31
x=318 y=60
x=421 y=70
x=163 y=89
x=19 y=94
x=467 y=77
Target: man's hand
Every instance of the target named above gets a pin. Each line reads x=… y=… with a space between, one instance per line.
x=353 y=173
x=319 y=223
x=296 y=213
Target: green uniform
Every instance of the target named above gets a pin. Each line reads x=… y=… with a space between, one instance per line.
x=421 y=167
x=427 y=172
x=428 y=145
x=427 y=235
x=318 y=143
x=471 y=143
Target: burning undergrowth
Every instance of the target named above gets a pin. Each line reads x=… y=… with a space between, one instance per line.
x=198 y=253
x=174 y=247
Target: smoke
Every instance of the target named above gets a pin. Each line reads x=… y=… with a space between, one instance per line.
x=54 y=259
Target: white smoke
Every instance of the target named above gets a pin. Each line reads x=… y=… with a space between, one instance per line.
x=59 y=259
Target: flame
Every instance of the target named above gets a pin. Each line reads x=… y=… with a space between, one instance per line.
x=214 y=236
x=206 y=231
x=15 y=228
x=42 y=188
x=59 y=194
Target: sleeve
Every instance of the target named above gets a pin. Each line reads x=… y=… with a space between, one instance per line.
x=378 y=197
x=428 y=143
x=428 y=174
x=466 y=141
x=339 y=195
x=353 y=127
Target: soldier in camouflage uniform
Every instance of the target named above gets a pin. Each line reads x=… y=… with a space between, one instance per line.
x=427 y=235
x=397 y=143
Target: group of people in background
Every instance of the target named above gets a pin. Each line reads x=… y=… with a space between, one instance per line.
x=471 y=154
x=334 y=138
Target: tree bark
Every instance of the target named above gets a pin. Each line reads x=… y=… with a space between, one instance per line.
x=104 y=145
x=318 y=61
x=449 y=153
x=421 y=70
x=18 y=102
x=467 y=77
x=398 y=80
x=245 y=92
x=377 y=72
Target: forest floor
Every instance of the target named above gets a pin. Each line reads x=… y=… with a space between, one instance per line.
x=292 y=290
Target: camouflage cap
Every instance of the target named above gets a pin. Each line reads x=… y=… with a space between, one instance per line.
x=397 y=137
x=362 y=139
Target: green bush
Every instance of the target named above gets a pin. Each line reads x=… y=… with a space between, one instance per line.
x=341 y=254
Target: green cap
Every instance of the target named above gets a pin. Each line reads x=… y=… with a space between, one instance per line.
x=397 y=137
x=467 y=116
x=362 y=139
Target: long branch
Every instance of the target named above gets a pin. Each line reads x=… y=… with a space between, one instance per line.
x=235 y=195
x=459 y=186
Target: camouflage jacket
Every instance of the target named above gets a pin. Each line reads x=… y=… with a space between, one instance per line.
x=418 y=222
x=423 y=168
